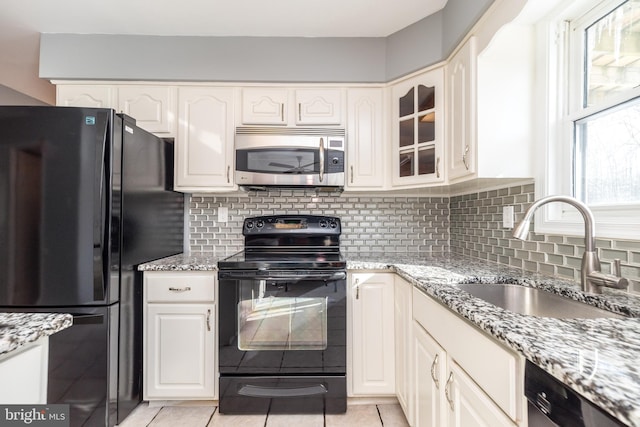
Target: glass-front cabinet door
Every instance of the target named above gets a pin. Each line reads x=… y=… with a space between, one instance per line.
x=418 y=130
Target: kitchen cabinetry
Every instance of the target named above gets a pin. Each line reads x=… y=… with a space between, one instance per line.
x=371 y=325
x=403 y=323
x=283 y=106
x=153 y=107
x=365 y=151
x=418 y=129
x=468 y=404
x=204 y=147
x=429 y=362
x=180 y=361
x=95 y=96
x=24 y=373
x=490 y=116
x=461 y=112
x=483 y=387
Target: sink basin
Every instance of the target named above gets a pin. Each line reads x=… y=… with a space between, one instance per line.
x=535 y=302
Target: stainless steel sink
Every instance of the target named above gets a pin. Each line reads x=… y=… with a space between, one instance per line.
x=535 y=302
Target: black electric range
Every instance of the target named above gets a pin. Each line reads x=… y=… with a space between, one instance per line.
x=282 y=320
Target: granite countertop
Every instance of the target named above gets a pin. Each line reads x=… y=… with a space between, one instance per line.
x=17 y=329
x=596 y=357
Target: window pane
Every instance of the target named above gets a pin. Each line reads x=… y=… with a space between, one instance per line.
x=427 y=128
x=407 y=133
x=406 y=103
x=613 y=53
x=607 y=155
x=426 y=98
x=406 y=164
x=427 y=161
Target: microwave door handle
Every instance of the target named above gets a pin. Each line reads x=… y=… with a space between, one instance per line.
x=321 y=158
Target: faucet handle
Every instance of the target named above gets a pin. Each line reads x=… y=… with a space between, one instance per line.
x=616 y=268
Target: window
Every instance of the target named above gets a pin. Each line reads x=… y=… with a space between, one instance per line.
x=594 y=118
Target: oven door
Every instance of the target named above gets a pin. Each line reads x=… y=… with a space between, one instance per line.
x=282 y=342
x=282 y=322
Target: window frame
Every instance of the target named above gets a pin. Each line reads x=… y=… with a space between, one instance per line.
x=561 y=107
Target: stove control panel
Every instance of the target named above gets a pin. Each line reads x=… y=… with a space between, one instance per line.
x=291 y=224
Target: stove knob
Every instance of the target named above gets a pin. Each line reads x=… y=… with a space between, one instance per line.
x=323 y=223
x=333 y=224
x=260 y=224
x=249 y=225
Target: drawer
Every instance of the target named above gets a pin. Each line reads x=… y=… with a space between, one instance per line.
x=495 y=368
x=184 y=286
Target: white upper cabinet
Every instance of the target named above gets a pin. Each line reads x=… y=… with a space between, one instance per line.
x=490 y=114
x=204 y=147
x=264 y=106
x=318 y=106
x=461 y=112
x=365 y=149
x=153 y=107
x=291 y=107
x=94 y=96
x=417 y=125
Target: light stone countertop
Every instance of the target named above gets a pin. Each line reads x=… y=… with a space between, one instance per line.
x=17 y=329
x=599 y=358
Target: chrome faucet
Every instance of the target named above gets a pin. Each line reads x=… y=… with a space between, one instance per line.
x=591 y=278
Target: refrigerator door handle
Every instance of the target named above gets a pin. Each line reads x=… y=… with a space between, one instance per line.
x=100 y=207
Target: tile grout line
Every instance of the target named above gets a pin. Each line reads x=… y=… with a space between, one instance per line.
x=379 y=415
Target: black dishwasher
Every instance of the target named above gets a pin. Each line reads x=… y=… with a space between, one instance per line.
x=553 y=404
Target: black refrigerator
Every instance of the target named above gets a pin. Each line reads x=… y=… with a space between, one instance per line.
x=85 y=196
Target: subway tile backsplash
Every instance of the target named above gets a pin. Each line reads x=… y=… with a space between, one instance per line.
x=469 y=224
x=476 y=230
x=371 y=223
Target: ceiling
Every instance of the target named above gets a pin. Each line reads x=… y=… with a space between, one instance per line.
x=301 y=18
x=22 y=21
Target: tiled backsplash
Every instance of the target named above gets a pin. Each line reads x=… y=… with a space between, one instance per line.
x=476 y=230
x=369 y=222
x=470 y=224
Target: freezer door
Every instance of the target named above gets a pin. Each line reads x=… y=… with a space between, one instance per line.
x=56 y=211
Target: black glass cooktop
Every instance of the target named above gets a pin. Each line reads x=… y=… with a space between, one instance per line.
x=290 y=258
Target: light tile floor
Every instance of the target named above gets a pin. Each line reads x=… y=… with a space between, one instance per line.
x=388 y=415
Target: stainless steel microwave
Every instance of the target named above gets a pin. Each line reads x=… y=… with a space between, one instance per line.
x=298 y=157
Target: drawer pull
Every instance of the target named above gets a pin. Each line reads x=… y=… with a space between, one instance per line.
x=185 y=289
x=208 y=320
x=434 y=365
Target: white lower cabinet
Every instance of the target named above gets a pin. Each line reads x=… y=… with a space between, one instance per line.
x=405 y=377
x=430 y=362
x=24 y=374
x=468 y=405
x=371 y=354
x=179 y=344
x=463 y=377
